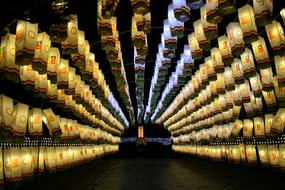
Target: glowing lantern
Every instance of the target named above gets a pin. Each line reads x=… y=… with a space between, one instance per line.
x=199 y=33
x=114 y=54
x=50 y=159
x=52 y=92
x=35 y=126
x=12 y=165
x=273 y=155
x=78 y=59
x=263 y=154
x=19 y=129
x=147 y=23
x=221 y=89
x=212 y=76
x=270 y=99
x=196 y=51
x=70 y=45
x=262 y=11
x=238 y=125
x=181 y=10
x=9 y=69
x=280 y=92
x=266 y=79
x=214 y=12
x=176 y=26
x=225 y=50
x=251 y=154
x=89 y=67
x=53 y=63
x=107 y=27
x=247 y=128
x=248 y=63
x=258 y=127
x=187 y=58
x=235 y=37
x=260 y=53
x=268 y=120
x=247 y=24
x=72 y=79
x=27 y=167
x=256 y=85
x=237 y=71
x=278 y=121
x=7 y=110
x=27 y=75
x=204 y=75
x=109 y=42
x=280 y=70
x=282 y=13
x=52 y=122
x=276 y=37
x=217 y=60
x=245 y=92
x=26 y=39
x=42 y=47
x=237 y=96
x=229 y=79
x=138 y=37
x=141 y=6
x=1 y=166
x=168 y=41
x=210 y=30
x=62 y=76
x=281 y=160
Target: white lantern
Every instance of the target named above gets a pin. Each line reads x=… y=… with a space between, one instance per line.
x=26 y=158
x=263 y=154
x=259 y=127
x=52 y=122
x=278 y=121
x=176 y=26
x=235 y=37
x=63 y=74
x=248 y=63
x=251 y=154
x=35 y=126
x=53 y=63
x=141 y=6
x=22 y=111
x=260 y=53
x=217 y=60
x=7 y=115
x=276 y=37
x=270 y=99
x=273 y=155
x=12 y=165
x=199 y=33
x=256 y=85
x=247 y=24
x=27 y=75
x=237 y=71
x=267 y=79
x=225 y=50
x=229 y=79
x=26 y=39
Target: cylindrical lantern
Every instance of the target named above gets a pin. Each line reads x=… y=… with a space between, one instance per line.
x=251 y=154
x=270 y=99
x=176 y=26
x=141 y=6
x=245 y=92
x=263 y=154
x=210 y=30
x=277 y=125
x=212 y=76
x=12 y=165
x=267 y=79
x=70 y=45
x=199 y=33
x=181 y=10
x=63 y=74
x=167 y=39
x=260 y=53
x=35 y=126
x=248 y=63
x=214 y=12
x=27 y=167
x=52 y=122
x=107 y=27
x=196 y=51
x=53 y=63
x=225 y=50
x=217 y=60
x=247 y=128
x=256 y=85
x=229 y=79
x=273 y=155
x=237 y=71
x=262 y=11
x=236 y=128
x=22 y=111
x=235 y=37
x=280 y=69
x=258 y=127
x=41 y=53
x=247 y=24
x=26 y=39
x=275 y=34
x=27 y=75
x=7 y=116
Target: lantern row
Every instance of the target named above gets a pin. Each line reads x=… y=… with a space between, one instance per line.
x=110 y=43
x=272 y=155
x=234 y=45
x=34 y=49
x=22 y=163
x=61 y=85
x=19 y=120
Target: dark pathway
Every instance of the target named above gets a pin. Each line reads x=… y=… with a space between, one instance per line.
x=159 y=172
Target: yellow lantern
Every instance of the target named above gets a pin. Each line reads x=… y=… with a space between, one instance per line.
x=27 y=75
x=12 y=165
x=262 y=11
x=237 y=71
x=210 y=30
x=217 y=60
x=276 y=37
x=26 y=158
x=281 y=160
x=260 y=53
x=41 y=160
x=62 y=76
x=251 y=154
x=259 y=127
x=141 y=6
x=263 y=155
x=41 y=85
x=10 y=70
x=72 y=80
x=7 y=116
x=238 y=125
x=280 y=92
x=278 y=122
x=270 y=99
x=35 y=126
x=196 y=51
x=237 y=95
x=107 y=27
x=50 y=159
x=280 y=69
x=273 y=155
x=26 y=39
x=242 y=152
x=199 y=33
x=78 y=59
x=245 y=92
x=42 y=47
x=53 y=64
x=235 y=37
x=70 y=45
x=52 y=122
x=19 y=129
x=52 y=92
x=138 y=37
x=229 y=79
x=225 y=50
x=212 y=76
x=214 y=12
x=89 y=66
x=248 y=63
x=268 y=120
x=247 y=24
x=267 y=79
x=256 y=85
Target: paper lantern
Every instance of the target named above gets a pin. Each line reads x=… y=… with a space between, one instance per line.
x=70 y=45
x=9 y=70
x=210 y=30
x=63 y=74
x=138 y=37
x=256 y=86
x=225 y=50
x=278 y=121
x=263 y=155
x=260 y=53
x=89 y=68
x=229 y=79
x=258 y=127
x=204 y=75
x=26 y=158
x=248 y=63
x=270 y=99
x=141 y=6
x=52 y=122
x=50 y=159
x=35 y=127
x=78 y=58
x=42 y=47
x=267 y=79
x=237 y=71
x=247 y=128
x=221 y=89
x=167 y=39
x=238 y=125
x=280 y=92
x=114 y=54
x=53 y=63
x=27 y=75
x=72 y=80
x=107 y=9
x=181 y=10
x=276 y=37
x=217 y=60
x=262 y=12
x=280 y=66
x=12 y=165
x=273 y=155
x=251 y=154
x=109 y=42
x=19 y=129
x=268 y=122
x=176 y=26
x=247 y=24
x=214 y=12
x=7 y=116
x=281 y=160
x=196 y=51
x=41 y=85
x=212 y=76
x=107 y=27
x=199 y=33
x=26 y=39
x=147 y=23
x=234 y=33
x=245 y=92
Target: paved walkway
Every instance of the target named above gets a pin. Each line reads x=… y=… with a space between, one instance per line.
x=155 y=173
